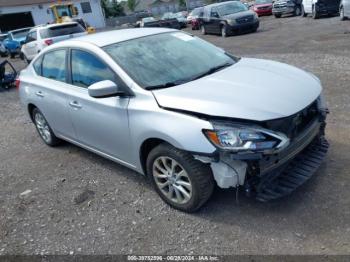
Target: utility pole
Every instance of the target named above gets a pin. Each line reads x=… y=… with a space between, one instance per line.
x=187 y=5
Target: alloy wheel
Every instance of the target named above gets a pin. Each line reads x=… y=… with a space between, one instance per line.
x=42 y=127
x=172 y=180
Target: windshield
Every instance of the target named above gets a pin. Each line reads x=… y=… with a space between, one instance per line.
x=231 y=8
x=263 y=2
x=20 y=34
x=161 y=59
x=60 y=30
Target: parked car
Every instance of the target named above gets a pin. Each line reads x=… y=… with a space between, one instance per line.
x=3 y=50
x=194 y=14
x=320 y=7
x=344 y=9
x=14 y=41
x=42 y=36
x=227 y=18
x=152 y=22
x=183 y=112
x=263 y=7
x=179 y=16
x=286 y=7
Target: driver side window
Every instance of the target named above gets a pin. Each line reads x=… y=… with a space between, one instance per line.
x=87 y=69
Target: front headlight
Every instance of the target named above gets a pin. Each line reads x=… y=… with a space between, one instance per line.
x=243 y=138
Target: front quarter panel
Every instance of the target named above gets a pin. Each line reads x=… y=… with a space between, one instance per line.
x=147 y=120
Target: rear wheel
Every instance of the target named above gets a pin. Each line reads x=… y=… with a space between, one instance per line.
x=303 y=14
x=181 y=181
x=44 y=129
x=315 y=14
x=342 y=14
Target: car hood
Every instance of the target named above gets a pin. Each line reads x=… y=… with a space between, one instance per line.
x=251 y=89
x=239 y=14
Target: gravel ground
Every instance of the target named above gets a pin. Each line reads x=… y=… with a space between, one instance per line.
x=66 y=200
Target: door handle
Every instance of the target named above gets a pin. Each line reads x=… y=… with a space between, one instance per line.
x=75 y=104
x=40 y=94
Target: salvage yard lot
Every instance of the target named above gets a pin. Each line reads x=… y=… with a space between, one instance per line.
x=74 y=201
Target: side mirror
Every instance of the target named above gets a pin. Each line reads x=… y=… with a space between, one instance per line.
x=104 y=89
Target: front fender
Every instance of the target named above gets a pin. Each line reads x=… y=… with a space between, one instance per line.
x=147 y=120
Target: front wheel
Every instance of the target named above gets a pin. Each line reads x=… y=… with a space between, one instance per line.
x=203 y=31
x=180 y=180
x=297 y=11
x=278 y=15
x=12 y=55
x=224 y=31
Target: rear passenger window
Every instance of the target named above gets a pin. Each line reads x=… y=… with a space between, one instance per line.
x=37 y=65
x=54 y=65
x=88 y=69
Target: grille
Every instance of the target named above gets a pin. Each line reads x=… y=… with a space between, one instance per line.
x=292 y=126
x=264 y=8
x=245 y=19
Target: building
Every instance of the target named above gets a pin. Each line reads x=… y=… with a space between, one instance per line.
x=26 y=13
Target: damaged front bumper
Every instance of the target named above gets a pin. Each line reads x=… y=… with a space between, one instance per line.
x=271 y=176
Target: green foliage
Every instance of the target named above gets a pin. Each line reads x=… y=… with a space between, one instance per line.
x=182 y=3
x=132 y=4
x=112 y=8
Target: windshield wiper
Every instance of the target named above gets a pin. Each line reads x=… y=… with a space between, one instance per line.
x=166 y=85
x=179 y=82
x=212 y=70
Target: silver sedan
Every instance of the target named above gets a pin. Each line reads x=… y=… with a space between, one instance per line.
x=181 y=111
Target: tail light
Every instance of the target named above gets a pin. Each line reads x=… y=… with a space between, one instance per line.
x=48 y=42
x=17 y=83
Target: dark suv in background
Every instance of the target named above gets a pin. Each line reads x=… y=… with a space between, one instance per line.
x=227 y=18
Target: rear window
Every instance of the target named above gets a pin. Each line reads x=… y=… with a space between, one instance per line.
x=61 y=30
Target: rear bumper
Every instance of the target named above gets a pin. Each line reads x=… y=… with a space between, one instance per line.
x=327 y=9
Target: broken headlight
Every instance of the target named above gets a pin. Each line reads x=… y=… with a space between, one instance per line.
x=243 y=138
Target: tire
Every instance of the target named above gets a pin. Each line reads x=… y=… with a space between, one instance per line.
x=342 y=14
x=315 y=15
x=44 y=130
x=12 y=55
x=297 y=11
x=224 y=31
x=303 y=14
x=203 y=31
x=278 y=15
x=164 y=163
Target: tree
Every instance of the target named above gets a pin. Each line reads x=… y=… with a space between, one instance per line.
x=132 y=4
x=182 y=3
x=112 y=8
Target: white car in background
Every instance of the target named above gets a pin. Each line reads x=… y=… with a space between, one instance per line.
x=42 y=36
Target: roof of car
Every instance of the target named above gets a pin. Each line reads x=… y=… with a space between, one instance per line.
x=221 y=3
x=20 y=29
x=116 y=36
